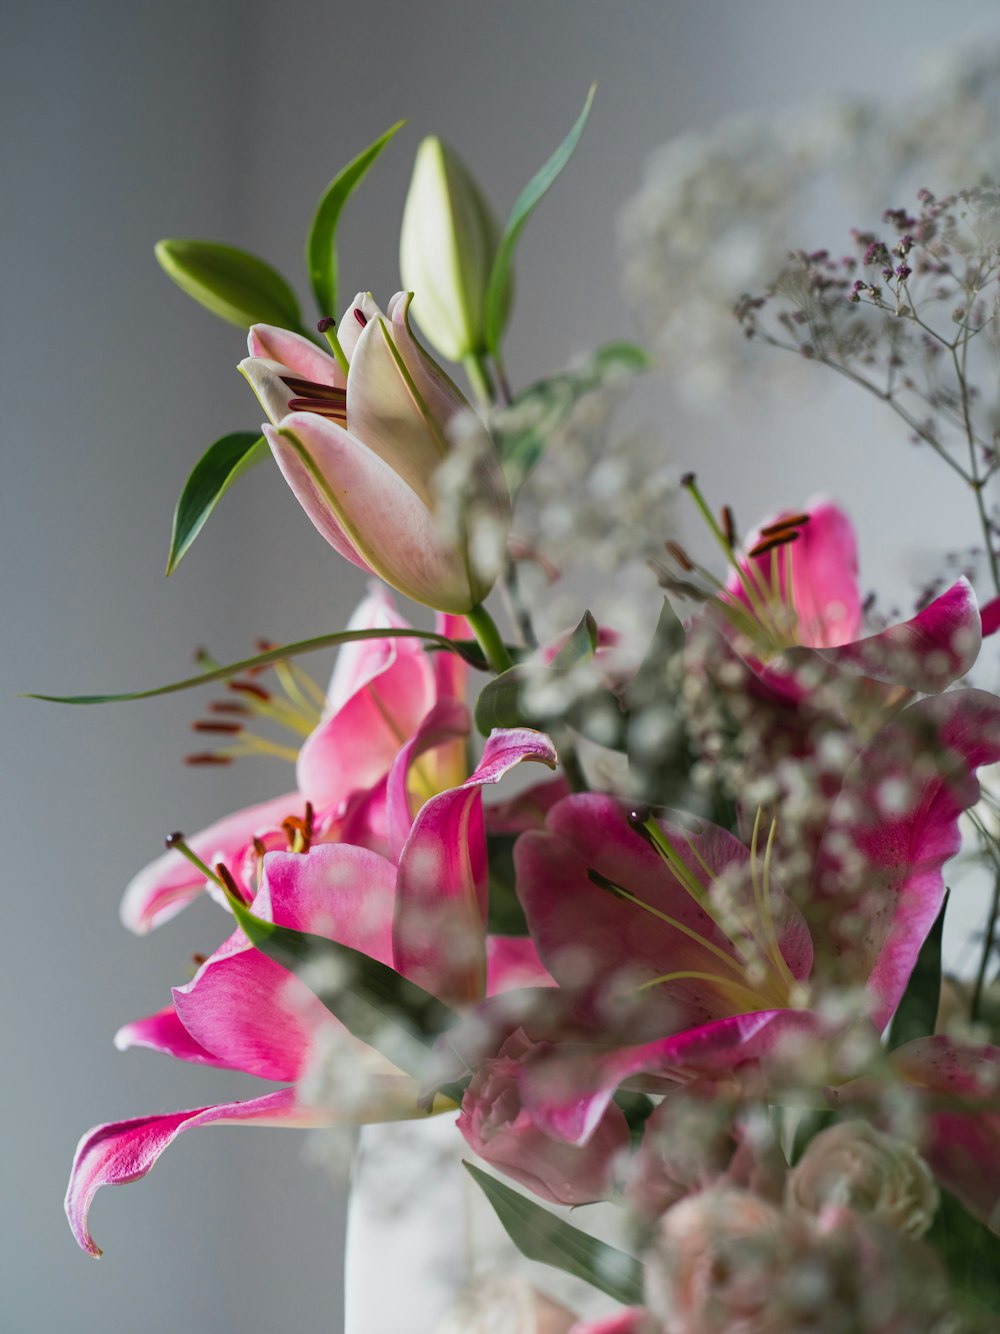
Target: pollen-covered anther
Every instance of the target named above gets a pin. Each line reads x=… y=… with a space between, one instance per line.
x=207 y=757
x=214 y=725
x=228 y=706
x=781 y=539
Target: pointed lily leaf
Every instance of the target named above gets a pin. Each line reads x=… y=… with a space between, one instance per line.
x=971 y=1254
x=268 y=659
x=541 y=1235
x=495 y=313
x=231 y=283
x=321 y=245
x=524 y=429
x=918 y=1010
x=221 y=464
x=376 y=1004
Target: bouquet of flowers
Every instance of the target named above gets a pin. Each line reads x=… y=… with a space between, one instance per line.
x=695 y=969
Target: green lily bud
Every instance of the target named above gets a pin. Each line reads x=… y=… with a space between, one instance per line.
x=447 y=247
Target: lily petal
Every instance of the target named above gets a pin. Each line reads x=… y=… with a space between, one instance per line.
x=893 y=826
x=164 y=1032
x=368 y=512
x=928 y=652
x=168 y=884
x=300 y=356
x=439 y=928
x=123 y=1151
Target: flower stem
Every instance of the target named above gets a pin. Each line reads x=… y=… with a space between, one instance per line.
x=479 y=378
x=490 y=640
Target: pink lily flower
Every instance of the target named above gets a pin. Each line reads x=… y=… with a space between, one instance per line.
x=242 y=1011
x=379 y=695
x=366 y=455
x=792 y=597
x=695 y=961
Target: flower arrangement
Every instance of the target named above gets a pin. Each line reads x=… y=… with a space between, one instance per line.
x=695 y=969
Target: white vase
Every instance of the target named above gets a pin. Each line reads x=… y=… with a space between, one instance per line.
x=419 y=1230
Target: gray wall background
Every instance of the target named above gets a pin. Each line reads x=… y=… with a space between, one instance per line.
x=128 y=121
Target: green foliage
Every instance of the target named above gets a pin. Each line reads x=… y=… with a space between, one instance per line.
x=524 y=429
x=971 y=1254
x=321 y=244
x=916 y=1016
x=375 y=1003
x=231 y=283
x=495 y=314
x=214 y=473
x=540 y=1235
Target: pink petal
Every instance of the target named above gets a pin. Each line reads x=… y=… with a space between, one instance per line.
x=354 y=748
x=528 y=809
x=588 y=935
x=448 y=721
x=439 y=924
x=164 y=1032
x=990 y=615
x=252 y=1014
x=926 y=653
x=300 y=355
x=512 y=961
x=167 y=885
x=824 y=575
x=368 y=512
x=123 y=1151
x=568 y=1091
x=335 y=890
x=891 y=830
x=362 y=661
x=632 y=1321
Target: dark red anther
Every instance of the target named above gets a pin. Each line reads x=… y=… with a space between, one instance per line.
x=780 y=540
x=228 y=706
x=781 y=525
x=259 y=846
x=210 y=725
x=226 y=876
x=207 y=757
x=360 y=316
x=198 y=959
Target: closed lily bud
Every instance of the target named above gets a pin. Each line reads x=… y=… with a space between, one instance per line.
x=854 y=1166
x=447 y=246
x=384 y=454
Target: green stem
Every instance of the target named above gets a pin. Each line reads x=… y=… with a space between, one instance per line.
x=479 y=378
x=490 y=640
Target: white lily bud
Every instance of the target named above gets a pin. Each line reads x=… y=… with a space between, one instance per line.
x=447 y=246
x=855 y=1166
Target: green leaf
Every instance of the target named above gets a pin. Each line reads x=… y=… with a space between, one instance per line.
x=376 y=1004
x=971 y=1254
x=262 y=660
x=321 y=245
x=540 y=1235
x=917 y=1014
x=494 y=316
x=523 y=430
x=214 y=473
x=231 y=283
